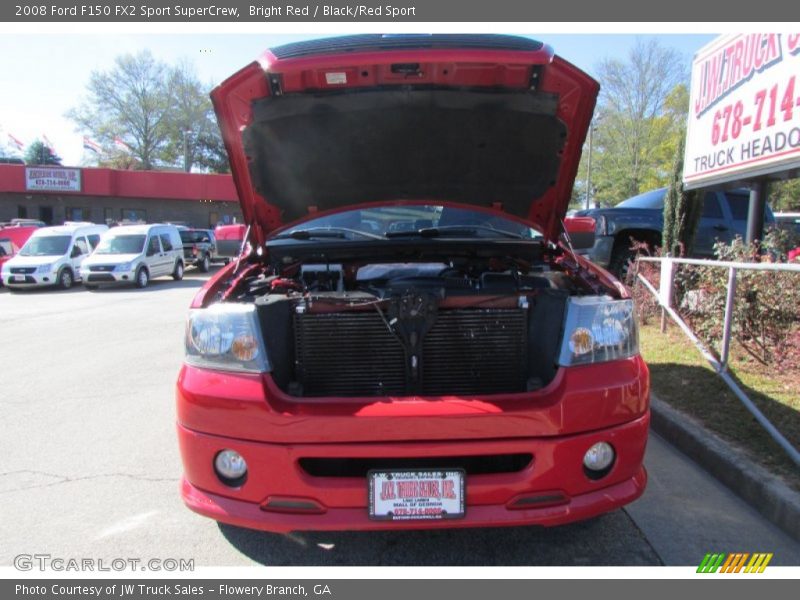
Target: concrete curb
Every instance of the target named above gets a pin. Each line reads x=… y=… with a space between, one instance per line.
x=764 y=491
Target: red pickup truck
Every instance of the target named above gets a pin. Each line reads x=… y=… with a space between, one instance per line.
x=409 y=341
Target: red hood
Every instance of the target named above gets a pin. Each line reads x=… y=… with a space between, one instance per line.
x=491 y=121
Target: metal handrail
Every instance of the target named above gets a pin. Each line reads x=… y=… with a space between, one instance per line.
x=752 y=266
x=720 y=366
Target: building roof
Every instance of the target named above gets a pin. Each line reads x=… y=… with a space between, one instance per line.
x=166 y=185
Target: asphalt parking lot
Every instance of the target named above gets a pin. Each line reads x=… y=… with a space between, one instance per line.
x=89 y=463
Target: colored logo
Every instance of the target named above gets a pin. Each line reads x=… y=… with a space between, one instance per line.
x=735 y=562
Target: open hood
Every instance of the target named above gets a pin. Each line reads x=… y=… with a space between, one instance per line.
x=496 y=122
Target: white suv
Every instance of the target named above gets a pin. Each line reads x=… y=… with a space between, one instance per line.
x=52 y=256
x=135 y=254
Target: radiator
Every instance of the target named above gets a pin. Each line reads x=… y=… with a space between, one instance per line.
x=476 y=351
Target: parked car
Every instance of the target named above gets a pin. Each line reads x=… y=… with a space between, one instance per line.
x=199 y=248
x=641 y=219
x=135 y=254
x=52 y=256
x=24 y=223
x=229 y=240
x=12 y=238
x=408 y=343
x=790 y=221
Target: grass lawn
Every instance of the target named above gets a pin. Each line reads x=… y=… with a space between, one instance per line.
x=681 y=377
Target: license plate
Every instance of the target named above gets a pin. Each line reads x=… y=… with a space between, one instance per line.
x=415 y=495
x=18 y=278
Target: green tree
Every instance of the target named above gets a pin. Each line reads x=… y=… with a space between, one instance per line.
x=38 y=153
x=131 y=101
x=642 y=110
x=682 y=210
x=193 y=133
x=785 y=195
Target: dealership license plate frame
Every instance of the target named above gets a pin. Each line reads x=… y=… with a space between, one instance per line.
x=376 y=476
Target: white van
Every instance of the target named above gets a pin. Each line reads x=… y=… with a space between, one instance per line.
x=52 y=256
x=135 y=254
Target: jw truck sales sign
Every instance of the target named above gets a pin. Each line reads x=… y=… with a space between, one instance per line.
x=53 y=179
x=744 y=113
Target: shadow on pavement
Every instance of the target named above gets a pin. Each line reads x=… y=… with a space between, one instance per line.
x=723 y=413
x=153 y=286
x=608 y=540
x=192 y=279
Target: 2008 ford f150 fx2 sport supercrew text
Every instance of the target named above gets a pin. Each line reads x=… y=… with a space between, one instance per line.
x=406 y=341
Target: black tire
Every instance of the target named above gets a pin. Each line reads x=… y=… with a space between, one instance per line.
x=205 y=264
x=177 y=274
x=621 y=261
x=65 y=279
x=142 y=277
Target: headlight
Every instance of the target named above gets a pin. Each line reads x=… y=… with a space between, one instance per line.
x=123 y=267
x=44 y=268
x=598 y=329
x=225 y=336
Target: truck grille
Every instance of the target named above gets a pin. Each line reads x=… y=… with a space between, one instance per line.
x=465 y=352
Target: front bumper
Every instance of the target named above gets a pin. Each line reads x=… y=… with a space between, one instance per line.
x=275 y=473
x=98 y=277
x=30 y=280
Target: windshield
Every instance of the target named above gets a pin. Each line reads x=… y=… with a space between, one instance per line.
x=189 y=236
x=121 y=244
x=46 y=245
x=395 y=221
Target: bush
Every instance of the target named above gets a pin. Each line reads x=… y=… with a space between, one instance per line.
x=766 y=313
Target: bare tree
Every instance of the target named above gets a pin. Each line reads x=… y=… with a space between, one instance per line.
x=638 y=119
x=194 y=137
x=130 y=102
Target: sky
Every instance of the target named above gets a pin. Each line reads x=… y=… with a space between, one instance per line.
x=43 y=75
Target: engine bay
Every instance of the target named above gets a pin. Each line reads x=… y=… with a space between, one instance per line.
x=403 y=325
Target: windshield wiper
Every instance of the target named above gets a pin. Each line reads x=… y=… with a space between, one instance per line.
x=326 y=232
x=453 y=230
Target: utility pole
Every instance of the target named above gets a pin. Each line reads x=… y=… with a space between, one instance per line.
x=186 y=150
x=589 y=168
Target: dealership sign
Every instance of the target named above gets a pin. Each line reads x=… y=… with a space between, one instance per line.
x=52 y=179
x=744 y=112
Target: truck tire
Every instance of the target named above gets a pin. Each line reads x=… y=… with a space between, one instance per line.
x=621 y=260
x=205 y=264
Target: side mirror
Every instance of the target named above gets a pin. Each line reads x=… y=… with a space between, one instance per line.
x=580 y=231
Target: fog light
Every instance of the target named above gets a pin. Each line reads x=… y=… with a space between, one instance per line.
x=598 y=459
x=231 y=468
